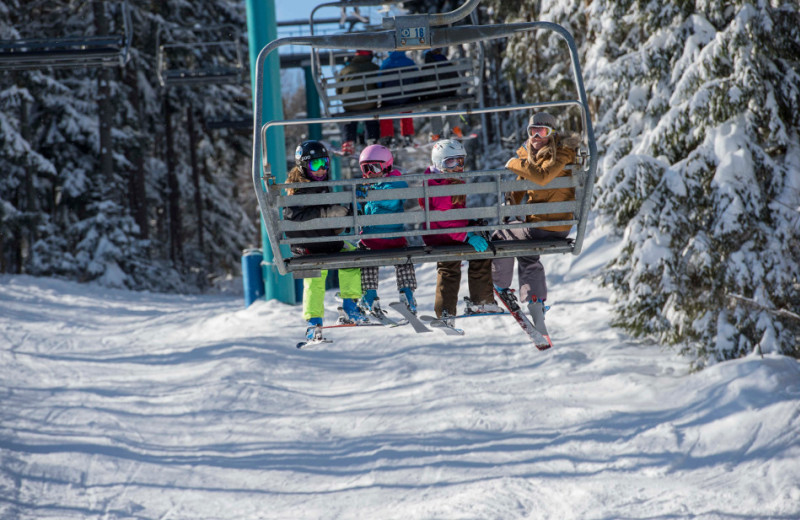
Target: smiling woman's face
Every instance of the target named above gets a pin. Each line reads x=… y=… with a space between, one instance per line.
x=536 y=143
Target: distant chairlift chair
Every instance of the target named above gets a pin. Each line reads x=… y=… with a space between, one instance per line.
x=420 y=86
x=91 y=51
x=212 y=60
x=418 y=32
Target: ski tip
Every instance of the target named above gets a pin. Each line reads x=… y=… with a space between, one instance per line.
x=545 y=346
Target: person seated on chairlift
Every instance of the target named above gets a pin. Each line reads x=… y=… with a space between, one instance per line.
x=377 y=161
x=543 y=157
x=312 y=164
x=448 y=155
x=359 y=65
x=397 y=59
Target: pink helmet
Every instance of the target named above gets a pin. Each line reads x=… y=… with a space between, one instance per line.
x=375 y=154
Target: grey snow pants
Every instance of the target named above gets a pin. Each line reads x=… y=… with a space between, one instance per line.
x=530 y=271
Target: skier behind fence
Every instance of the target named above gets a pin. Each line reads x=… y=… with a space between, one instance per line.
x=377 y=161
x=312 y=163
x=541 y=159
x=448 y=155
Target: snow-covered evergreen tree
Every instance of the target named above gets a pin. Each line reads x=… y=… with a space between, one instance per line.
x=698 y=125
x=59 y=215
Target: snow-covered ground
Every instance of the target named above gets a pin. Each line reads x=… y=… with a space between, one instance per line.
x=117 y=404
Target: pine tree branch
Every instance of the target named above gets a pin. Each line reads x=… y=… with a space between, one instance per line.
x=783 y=313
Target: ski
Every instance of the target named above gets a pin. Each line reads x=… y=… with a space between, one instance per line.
x=536 y=309
x=377 y=313
x=313 y=342
x=339 y=325
x=460 y=316
x=316 y=340
x=404 y=311
x=435 y=322
x=510 y=302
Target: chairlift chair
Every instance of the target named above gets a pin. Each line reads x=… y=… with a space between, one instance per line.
x=210 y=61
x=90 y=51
x=406 y=33
x=415 y=87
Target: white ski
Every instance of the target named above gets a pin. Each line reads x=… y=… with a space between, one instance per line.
x=435 y=322
x=403 y=309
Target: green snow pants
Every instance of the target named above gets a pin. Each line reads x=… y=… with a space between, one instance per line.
x=314 y=289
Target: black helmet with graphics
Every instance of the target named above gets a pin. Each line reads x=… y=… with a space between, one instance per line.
x=312 y=157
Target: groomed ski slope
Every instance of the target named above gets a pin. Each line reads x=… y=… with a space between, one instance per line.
x=117 y=404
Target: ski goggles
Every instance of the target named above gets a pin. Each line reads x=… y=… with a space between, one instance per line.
x=318 y=164
x=453 y=162
x=541 y=131
x=374 y=169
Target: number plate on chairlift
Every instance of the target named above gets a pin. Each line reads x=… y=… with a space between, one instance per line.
x=412 y=32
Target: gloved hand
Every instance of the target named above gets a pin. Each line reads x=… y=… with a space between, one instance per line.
x=508 y=218
x=361 y=190
x=478 y=242
x=336 y=211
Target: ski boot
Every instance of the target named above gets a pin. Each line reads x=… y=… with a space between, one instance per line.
x=369 y=301
x=407 y=297
x=448 y=320
x=314 y=329
x=537 y=310
x=370 y=305
x=349 y=312
x=508 y=298
x=481 y=308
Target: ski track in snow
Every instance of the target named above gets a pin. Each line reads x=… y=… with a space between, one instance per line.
x=119 y=404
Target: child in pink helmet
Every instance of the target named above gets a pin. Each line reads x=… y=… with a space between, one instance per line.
x=377 y=161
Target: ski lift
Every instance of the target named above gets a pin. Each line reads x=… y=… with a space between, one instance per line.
x=420 y=32
x=215 y=60
x=436 y=84
x=91 y=51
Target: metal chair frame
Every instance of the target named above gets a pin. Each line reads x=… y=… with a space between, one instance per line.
x=69 y=51
x=170 y=75
x=407 y=94
x=418 y=32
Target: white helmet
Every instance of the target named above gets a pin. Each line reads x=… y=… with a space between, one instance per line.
x=446 y=149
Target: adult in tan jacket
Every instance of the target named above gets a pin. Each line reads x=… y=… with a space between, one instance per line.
x=541 y=159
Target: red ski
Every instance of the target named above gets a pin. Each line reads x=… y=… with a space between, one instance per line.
x=540 y=340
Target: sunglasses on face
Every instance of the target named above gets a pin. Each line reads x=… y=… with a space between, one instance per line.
x=453 y=162
x=541 y=131
x=371 y=169
x=318 y=164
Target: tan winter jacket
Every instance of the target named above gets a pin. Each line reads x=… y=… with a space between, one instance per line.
x=358 y=67
x=542 y=169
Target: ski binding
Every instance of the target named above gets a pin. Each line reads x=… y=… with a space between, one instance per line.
x=435 y=322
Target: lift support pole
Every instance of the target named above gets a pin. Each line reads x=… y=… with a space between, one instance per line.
x=262 y=28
